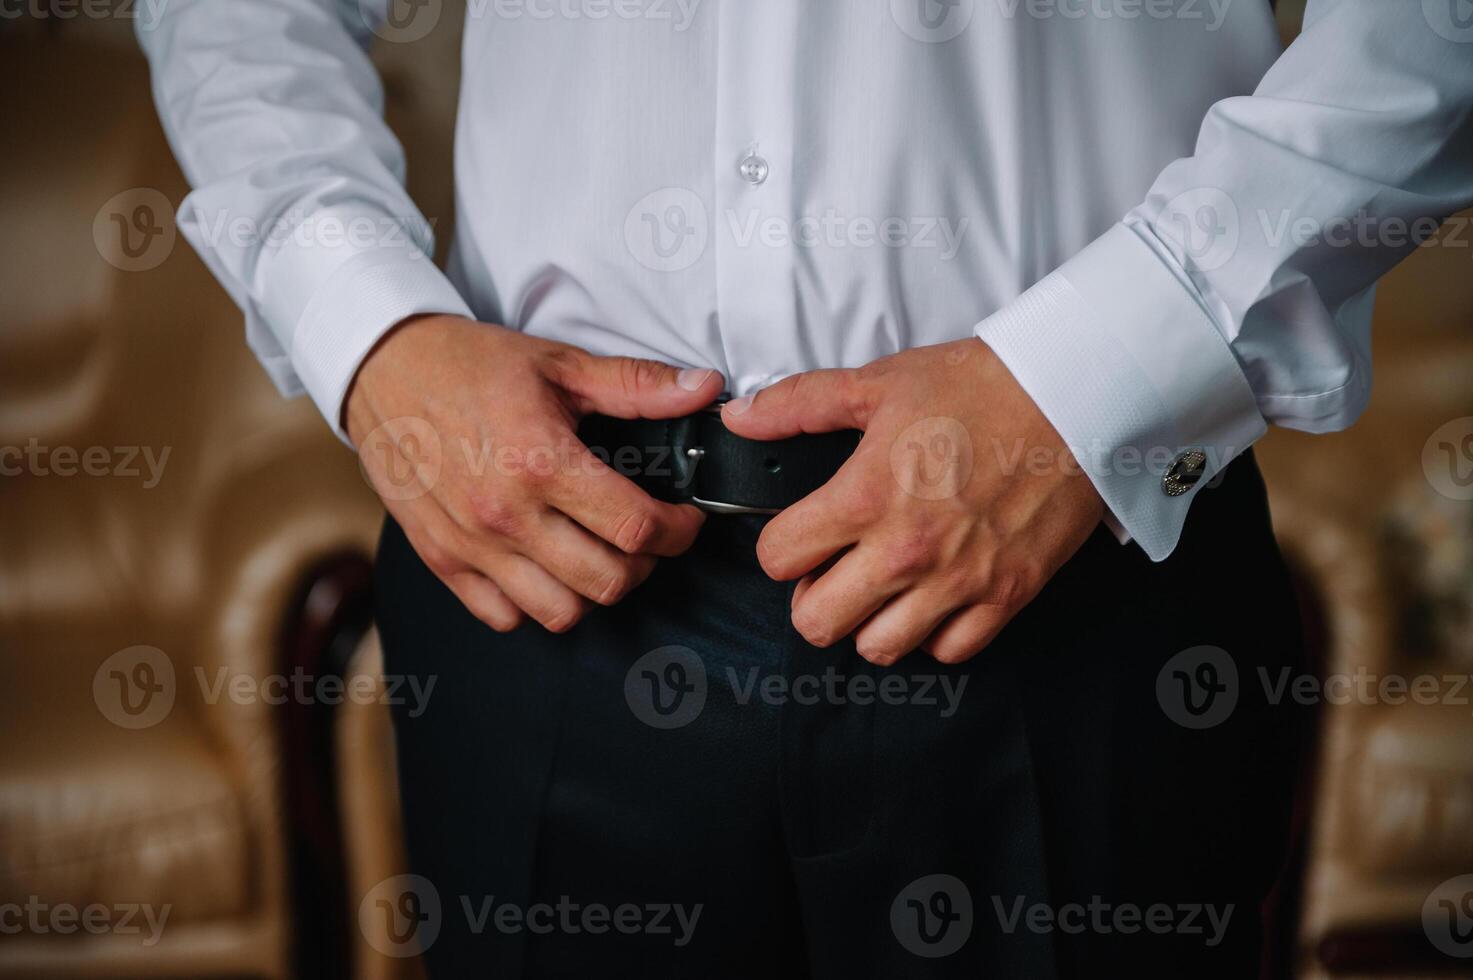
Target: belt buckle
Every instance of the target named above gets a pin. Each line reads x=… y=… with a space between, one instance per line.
x=722 y=507
x=695 y=453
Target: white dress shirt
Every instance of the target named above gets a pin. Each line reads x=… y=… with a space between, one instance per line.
x=770 y=186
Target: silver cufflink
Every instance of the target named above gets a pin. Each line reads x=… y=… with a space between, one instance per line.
x=1184 y=472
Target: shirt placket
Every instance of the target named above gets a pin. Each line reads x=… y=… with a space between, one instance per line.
x=753 y=201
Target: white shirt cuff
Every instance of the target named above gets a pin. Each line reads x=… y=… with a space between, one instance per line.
x=1122 y=359
x=360 y=302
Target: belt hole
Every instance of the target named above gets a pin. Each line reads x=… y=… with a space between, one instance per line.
x=772 y=464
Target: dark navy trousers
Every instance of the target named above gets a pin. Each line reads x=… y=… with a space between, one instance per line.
x=682 y=787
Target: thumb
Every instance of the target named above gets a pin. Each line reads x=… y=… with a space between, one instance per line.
x=629 y=387
x=815 y=401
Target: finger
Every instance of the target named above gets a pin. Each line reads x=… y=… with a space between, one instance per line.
x=843 y=597
x=816 y=528
x=966 y=633
x=612 y=507
x=582 y=562
x=426 y=530
x=803 y=584
x=814 y=401
x=629 y=387
x=485 y=600
x=536 y=592
x=902 y=624
x=800 y=589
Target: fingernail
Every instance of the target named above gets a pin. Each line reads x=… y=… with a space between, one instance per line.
x=739 y=405
x=691 y=379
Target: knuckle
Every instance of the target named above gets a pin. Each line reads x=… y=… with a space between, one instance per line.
x=635 y=531
x=648 y=374
x=497 y=514
x=868 y=506
x=951 y=653
x=541 y=468
x=496 y=620
x=562 y=619
x=613 y=585
x=855 y=387
x=437 y=559
x=508 y=622
x=954 y=586
x=813 y=627
x=875 y=370
x=909 y=553
x=558 y=361
x=877 y=652
x=1009 y=588
x=793 y=389
x=638 y=374
x=859 y=500
x=770 y=558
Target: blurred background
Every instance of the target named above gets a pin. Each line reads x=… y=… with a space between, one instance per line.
x=196 y=773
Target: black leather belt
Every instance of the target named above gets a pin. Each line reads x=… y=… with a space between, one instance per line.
x=696 y=459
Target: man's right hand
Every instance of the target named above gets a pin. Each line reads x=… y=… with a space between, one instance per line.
x=467 y=432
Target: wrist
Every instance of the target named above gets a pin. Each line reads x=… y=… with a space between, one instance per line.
x=358 y=416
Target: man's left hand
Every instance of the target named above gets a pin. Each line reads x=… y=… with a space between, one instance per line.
x=959 y=505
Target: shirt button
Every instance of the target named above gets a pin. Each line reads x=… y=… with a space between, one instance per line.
x=753 y=169
x=1184 y=472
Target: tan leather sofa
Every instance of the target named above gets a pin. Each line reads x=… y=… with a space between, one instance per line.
x=373 y=843
x=166 y=498
x=1391 y=799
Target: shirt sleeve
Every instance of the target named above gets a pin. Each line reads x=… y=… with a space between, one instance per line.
x=298 y=204
x=1238 y=293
